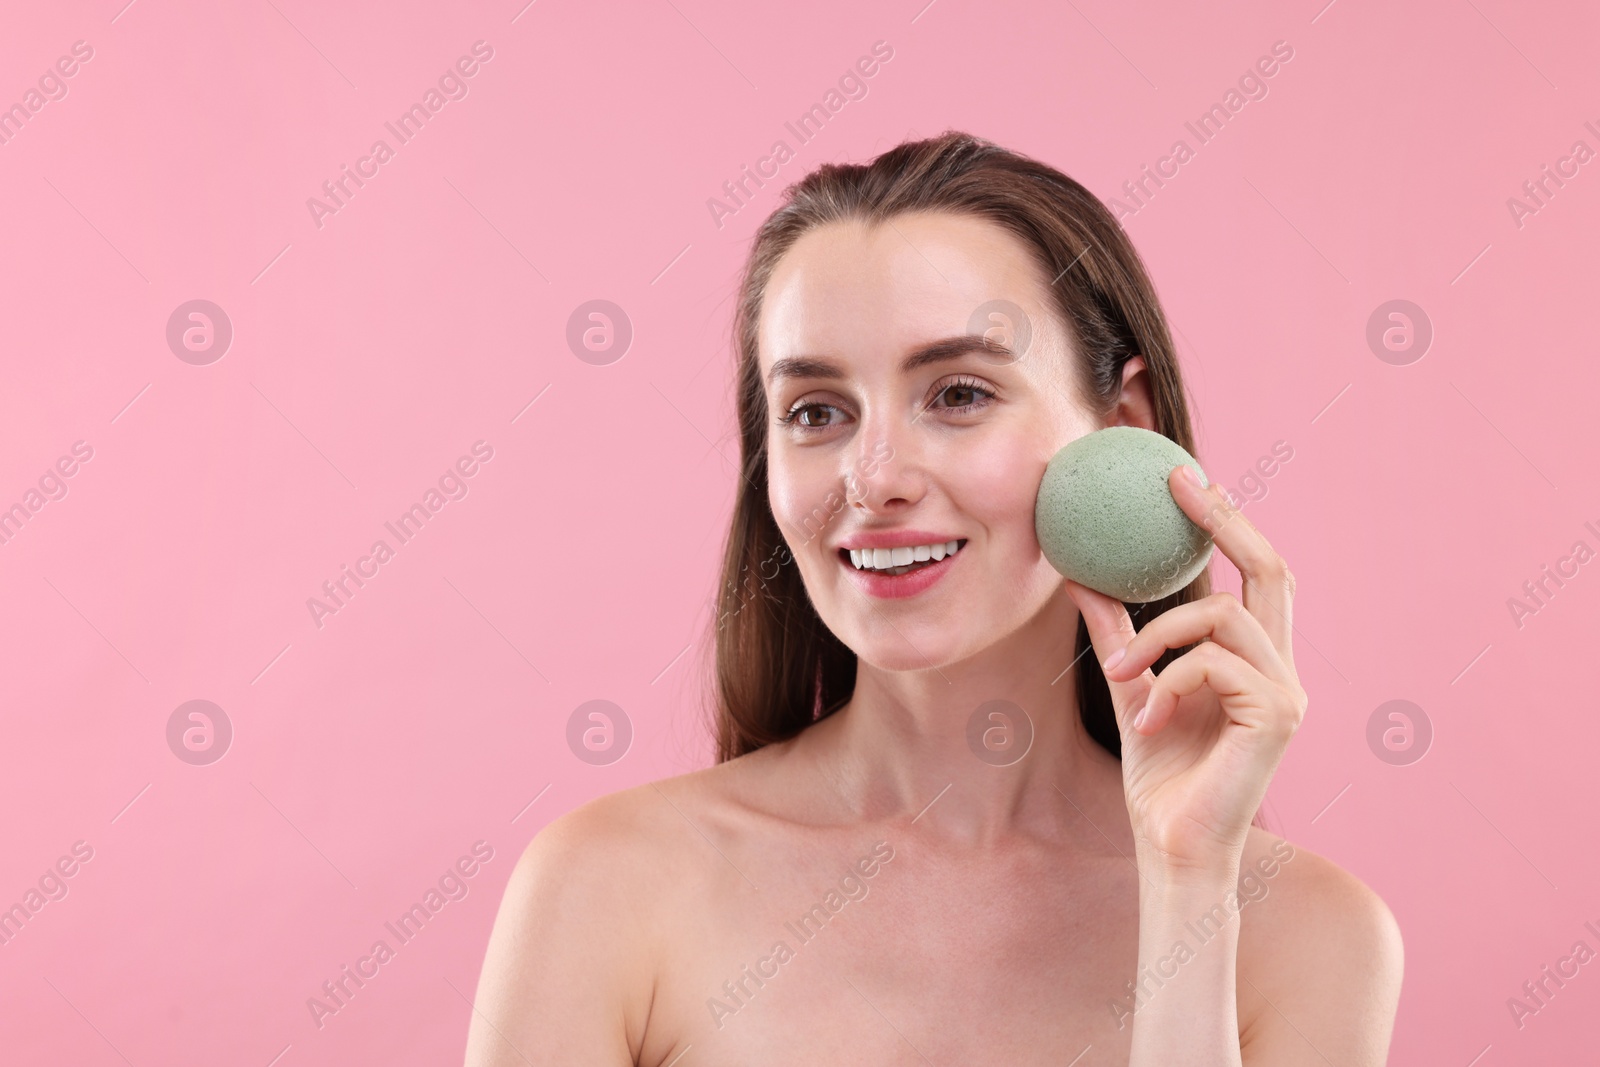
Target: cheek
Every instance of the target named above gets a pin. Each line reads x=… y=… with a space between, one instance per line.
x=785 y=491
x=805 y=502
x=1001 y=488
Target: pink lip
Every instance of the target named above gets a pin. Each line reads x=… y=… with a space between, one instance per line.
x=895 y=538
x=895 y=587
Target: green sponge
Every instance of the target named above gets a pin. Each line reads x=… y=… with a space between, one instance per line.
x=1106 y=518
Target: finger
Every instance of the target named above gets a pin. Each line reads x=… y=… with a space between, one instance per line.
x=1110 y=629
x=1247 y=697
x=1219 y=617
x=1267 y=584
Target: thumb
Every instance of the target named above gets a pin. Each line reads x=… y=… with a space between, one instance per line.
x=1110 y=630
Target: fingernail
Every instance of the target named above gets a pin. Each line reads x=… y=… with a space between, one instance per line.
x=1114 y=659
x=1138 y=720
x=1192 y=477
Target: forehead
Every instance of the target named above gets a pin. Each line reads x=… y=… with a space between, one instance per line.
x=850 y=287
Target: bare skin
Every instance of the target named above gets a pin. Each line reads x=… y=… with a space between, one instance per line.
x=960 y=912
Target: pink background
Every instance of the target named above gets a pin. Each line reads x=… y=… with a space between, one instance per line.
x=368 y=354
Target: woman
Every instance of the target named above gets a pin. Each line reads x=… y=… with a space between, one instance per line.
x=964 y=811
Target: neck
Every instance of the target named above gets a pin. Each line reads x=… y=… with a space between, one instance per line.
x=906 y=745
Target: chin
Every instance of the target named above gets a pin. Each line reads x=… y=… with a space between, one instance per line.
x=906 y=645
x=891 y=652
x=892 y=636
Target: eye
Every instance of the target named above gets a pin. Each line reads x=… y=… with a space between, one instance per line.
x=802 y=414
x=962 y=396
x=968 y=389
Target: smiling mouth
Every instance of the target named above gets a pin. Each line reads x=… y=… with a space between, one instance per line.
x=894 y=562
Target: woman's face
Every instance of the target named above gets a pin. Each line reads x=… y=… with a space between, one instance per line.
x=892 y=444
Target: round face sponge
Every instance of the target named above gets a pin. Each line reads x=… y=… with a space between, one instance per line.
x=1106 y=518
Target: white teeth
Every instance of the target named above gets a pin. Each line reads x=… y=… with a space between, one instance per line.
x=887 y=558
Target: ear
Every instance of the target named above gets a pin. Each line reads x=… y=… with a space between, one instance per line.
x=1134 y=407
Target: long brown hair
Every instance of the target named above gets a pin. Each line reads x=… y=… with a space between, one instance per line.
x=778 y=667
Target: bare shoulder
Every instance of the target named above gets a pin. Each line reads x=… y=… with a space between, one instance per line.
x=1320 y=959
x=612 y=861
x=629 y=844
x=609 y=842
x=577 y=941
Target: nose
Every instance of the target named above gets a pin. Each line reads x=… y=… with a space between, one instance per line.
x=885 y=473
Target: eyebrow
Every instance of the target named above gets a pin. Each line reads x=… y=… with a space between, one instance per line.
x=942 y=350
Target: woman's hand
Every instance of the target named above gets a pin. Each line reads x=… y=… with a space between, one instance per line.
x=1201 y=741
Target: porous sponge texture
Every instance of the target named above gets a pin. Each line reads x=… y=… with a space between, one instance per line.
x=1106 y=519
